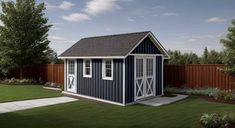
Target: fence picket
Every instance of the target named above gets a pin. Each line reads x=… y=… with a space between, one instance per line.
x=199 y=76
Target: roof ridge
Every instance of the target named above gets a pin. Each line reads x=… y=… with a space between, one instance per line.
x=117 y=34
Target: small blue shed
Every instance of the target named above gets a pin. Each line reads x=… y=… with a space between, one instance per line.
x=119 y=69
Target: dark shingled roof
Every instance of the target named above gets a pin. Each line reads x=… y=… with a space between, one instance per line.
x=110 y=45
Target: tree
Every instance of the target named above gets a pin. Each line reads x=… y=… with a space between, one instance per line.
x=205 y=56
x=211 y=57
x=229 y=49
x=187 y=58
x=214 y=57
x=23 y=37
x=176 y=57
x=190 y=58
x=52 y=58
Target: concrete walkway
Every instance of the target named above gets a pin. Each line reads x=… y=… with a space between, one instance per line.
x=27 y=104
x=158 y=101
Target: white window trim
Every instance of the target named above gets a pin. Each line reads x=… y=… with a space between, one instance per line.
x=84 y=72
x=104 y=70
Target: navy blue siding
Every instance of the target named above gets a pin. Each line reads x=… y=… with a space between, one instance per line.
x=146 y=47
x=129 y=79
x=97 y=87
x=159 y=75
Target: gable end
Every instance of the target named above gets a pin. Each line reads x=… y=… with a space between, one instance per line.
x=146 y=47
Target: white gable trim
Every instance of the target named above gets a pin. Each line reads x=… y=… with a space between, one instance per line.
x=155 y=42
x=160 y=45
x=92 y=57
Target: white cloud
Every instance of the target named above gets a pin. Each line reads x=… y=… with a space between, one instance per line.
x=95 y=7
x=76 y=17
x=158 y=7
x=215 y=20
x=56 y=38
x=49 y=6
x=56 y=28
x=130 y=20
x=65 y=5
x=108 y=29
x=57 y=23
x=170 y=14
x=192 y=40
x=59 y=44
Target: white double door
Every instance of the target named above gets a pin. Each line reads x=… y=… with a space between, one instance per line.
x=144 y=77
x=71 y=76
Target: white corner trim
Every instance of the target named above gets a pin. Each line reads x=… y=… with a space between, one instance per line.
x=124 y=81
x=134 y=78
x=84 y=68
x=93 y=57
x=65 y=75
x=104 y=77
x=162 y=76
x=93 y=98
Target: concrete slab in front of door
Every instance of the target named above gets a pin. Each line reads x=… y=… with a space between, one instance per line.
x=158 y=101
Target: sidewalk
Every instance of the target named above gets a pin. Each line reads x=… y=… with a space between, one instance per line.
x=27 y=104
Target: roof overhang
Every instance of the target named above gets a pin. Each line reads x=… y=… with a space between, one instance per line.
x=93 y=57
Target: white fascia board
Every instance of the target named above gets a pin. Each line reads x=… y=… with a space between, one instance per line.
x=92 y=57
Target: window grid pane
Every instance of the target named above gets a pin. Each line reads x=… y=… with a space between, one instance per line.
x=108 y=73
x=108 y=68
x=139 y=67
x=71 y=67
x=149 y=67
x=87 y=67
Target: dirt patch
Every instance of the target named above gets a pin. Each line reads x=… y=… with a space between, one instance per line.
x=211 y=99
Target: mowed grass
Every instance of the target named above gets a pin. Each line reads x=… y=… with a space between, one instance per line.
x=86 y=114
x=25 y=92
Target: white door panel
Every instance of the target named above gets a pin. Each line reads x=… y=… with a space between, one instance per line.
x=72 y=76
x=144 y=77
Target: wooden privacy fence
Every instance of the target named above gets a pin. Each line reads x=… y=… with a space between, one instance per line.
x=192 y=76
x=198 y=76
x=47 y=72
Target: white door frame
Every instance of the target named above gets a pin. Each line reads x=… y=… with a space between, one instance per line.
x=144 y=57
x=74 y=76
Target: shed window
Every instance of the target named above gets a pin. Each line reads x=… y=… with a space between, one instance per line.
x=87 y=68
x=107 y=69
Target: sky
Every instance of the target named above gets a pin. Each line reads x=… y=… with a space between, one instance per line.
x=185 y=25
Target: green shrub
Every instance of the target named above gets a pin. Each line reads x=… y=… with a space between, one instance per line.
x=14 y=81
x=188 y=91
x=211 y=92
x=221 y=94
x=215 y=120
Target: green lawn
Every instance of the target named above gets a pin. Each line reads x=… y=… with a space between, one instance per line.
x=79 y=114
x=24 y=92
